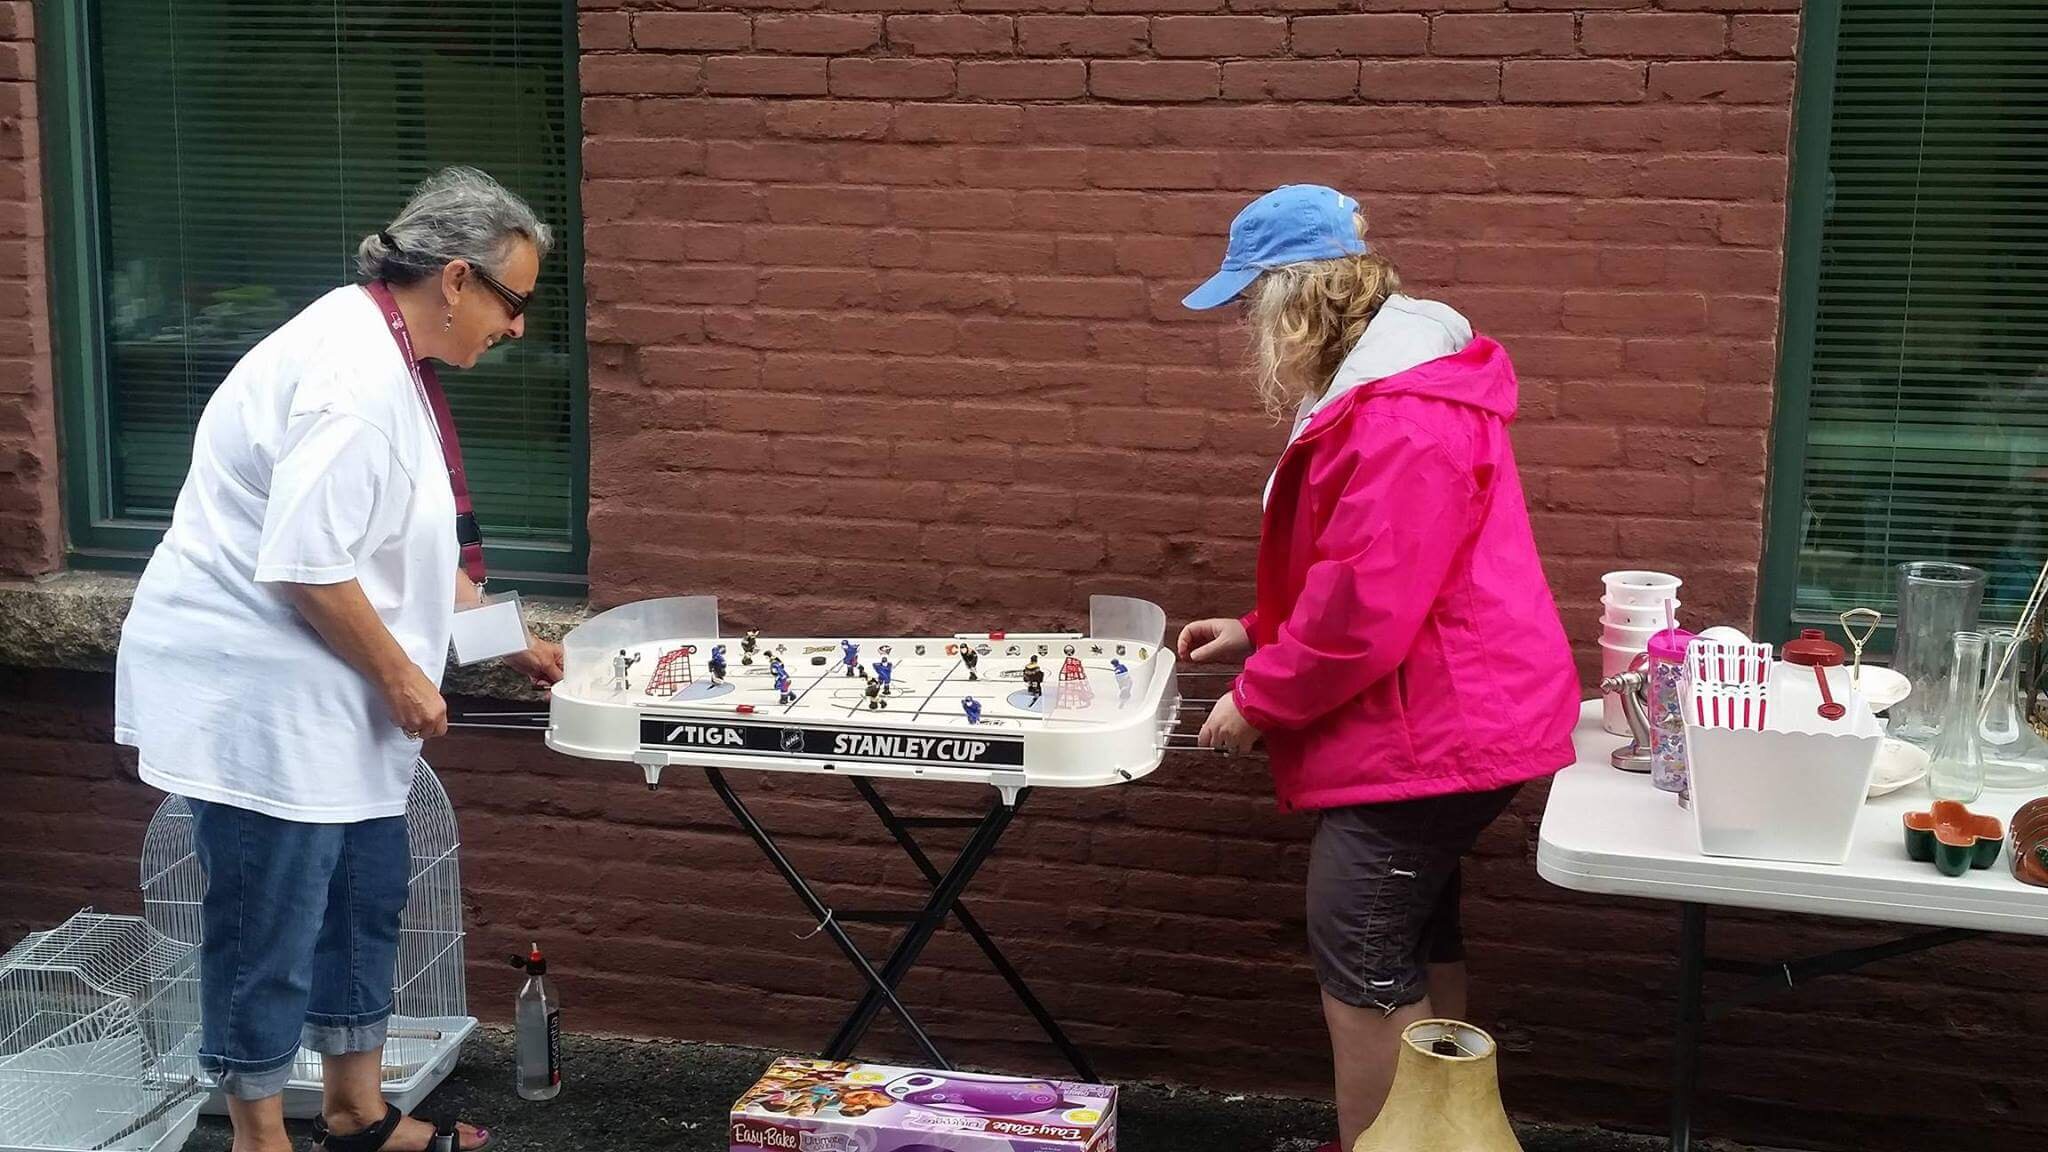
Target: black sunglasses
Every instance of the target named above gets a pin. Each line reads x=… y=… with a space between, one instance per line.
x=514 y=302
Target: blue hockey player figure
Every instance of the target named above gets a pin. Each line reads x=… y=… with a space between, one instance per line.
x=968 y=659
x=849 y=653
x=1117 y=668
x=883 y=670
x=783 y=695
x=718 y=663
x=875 y=695
x=972 y=707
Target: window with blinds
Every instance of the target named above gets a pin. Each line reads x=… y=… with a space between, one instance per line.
x=1926 y=402
x=243 y=148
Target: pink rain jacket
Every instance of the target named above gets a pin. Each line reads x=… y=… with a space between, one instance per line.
x=1406 y=642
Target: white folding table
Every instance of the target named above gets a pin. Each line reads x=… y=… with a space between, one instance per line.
x=1607 y=831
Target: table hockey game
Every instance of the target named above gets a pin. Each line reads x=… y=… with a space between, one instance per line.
x=659 y=684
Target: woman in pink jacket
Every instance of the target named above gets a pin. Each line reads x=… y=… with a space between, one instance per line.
x=1404 y=663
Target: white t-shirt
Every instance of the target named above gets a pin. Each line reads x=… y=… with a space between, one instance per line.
x=315 y=462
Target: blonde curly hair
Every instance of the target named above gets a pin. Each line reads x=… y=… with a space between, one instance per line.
x=1305 y=318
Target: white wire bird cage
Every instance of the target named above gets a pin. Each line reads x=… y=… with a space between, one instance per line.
x=99 y=1036
x=430 y=1000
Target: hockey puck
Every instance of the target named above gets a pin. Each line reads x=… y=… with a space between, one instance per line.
x=818 y=661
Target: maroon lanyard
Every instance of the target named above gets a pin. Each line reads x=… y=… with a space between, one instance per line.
x=468 y=536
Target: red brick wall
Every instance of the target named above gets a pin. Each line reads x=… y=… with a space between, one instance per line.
x=883 y=293
x=1160 y=921
x=30 y=538
x=884 y=336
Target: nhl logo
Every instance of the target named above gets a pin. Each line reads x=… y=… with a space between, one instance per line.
x=792 y=740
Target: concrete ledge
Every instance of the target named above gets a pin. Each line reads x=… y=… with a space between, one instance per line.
x=73 y=620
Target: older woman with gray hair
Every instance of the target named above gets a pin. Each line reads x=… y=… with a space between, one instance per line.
x=282 y=659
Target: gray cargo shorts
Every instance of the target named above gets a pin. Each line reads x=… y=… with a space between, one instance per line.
x=1383 y=888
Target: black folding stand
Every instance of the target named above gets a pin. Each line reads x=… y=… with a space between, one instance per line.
x=1764 y=979
x=944 y=904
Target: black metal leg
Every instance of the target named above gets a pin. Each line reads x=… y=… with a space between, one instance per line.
x=905 y=837
x=1685 y=1056
x=936 y=911
x=879 y=991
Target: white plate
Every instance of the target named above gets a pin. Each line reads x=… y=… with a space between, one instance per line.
x=1883 y=688
x=1898 y=764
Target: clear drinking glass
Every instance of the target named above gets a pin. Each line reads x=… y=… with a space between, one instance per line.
x=1936 y=601
x=2014 y=757
x=1957 y=770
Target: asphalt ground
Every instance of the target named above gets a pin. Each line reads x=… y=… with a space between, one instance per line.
x=664 y=1096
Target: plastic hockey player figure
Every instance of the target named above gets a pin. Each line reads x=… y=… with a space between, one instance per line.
x=1117 y=669
x=1034 y=679
x=883 y=671
x=783 y=695
x=875 y=695
x=748 y=647
x=849 y=654
x=621 y=665
x=972 y=707
x=718 y=663
x=968 y=659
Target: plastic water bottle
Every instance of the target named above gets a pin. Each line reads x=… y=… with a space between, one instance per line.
x=538 y=1022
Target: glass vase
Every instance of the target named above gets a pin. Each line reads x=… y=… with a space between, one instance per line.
x=1957 y=770
x=2014 y=756
x=1936 y=601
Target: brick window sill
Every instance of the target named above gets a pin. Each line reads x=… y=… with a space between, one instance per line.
x=73 y=620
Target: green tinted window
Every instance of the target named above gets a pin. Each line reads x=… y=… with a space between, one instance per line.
x=1925 y=403
x=241 y=151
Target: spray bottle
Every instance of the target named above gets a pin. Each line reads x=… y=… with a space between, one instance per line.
x=538 y=1018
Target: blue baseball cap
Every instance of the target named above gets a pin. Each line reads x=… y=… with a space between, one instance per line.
x=1289 y=225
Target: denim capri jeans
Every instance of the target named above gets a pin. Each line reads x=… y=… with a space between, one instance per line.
x=300 y=944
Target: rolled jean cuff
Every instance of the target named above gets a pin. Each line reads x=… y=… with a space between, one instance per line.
x=247 y=1079
x=339 y=1035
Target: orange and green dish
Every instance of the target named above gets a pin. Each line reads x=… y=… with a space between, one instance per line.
x=1952 y=838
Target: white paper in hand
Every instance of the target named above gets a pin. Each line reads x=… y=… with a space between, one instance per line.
x=490 y=629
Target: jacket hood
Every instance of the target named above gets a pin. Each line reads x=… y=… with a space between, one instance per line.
x=1423 y=348
x=1418 y=348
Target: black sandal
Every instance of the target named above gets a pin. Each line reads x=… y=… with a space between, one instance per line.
x=446 y=1137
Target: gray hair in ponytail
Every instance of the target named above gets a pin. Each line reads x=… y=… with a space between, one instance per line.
x=456 y=214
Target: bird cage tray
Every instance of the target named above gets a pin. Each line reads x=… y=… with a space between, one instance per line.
x=99 y=1023
x=27 y=1074
x=417 y=1057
